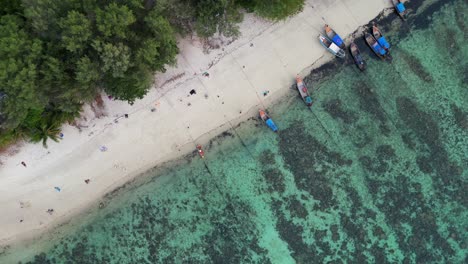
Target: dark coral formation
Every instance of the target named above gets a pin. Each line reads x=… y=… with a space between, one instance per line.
x=312 y=164
x=369 y=102
x=460 y=116
x=381 y=162
x=426 y=130
x=405 y=204
x=334 y=107
x=273 y=176
x=416 y=67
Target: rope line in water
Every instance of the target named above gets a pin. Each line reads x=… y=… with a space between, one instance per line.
x=241 y=140
x=323 y=127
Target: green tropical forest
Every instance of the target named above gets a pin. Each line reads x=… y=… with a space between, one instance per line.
x=58 y=55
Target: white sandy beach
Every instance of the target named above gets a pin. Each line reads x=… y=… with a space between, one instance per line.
x=266 y=57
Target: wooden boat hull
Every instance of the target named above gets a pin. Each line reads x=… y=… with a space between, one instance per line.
x=374 y=45
x=331 y=47
x=358 y=59
x=303 y=92
x=200 y=151
x=334 y=37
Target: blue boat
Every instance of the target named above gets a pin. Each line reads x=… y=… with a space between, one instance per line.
x=268 y=121
x=400 y=8
x=331 y=34
x=375 y=46
x=380 y=38
x=331 y=47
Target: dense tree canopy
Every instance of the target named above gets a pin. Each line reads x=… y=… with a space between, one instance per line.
x=276 y=9
x=114 y=20
x=18 y=71
x=57 y=55
x=76 y=31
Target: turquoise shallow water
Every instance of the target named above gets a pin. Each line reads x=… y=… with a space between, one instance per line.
x=377 y=172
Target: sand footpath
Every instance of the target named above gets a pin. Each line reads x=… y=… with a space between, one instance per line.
x=169 y=121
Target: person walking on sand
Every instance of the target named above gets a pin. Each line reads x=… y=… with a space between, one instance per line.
x=24 y=164
x=87 y=181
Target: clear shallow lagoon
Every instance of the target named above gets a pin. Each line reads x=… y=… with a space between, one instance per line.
x=376 y=172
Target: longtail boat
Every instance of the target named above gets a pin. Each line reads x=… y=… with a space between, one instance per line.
x=400 y=8
x=360 y=62
x=374 y=45
x=268 y=121
x=303 y=91
x=331 y=34
x=331 y=47
x=380 y=38
x=200 y=151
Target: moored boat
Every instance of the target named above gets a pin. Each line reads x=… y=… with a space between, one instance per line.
x=303 y=91
x=331 y=47
x=400 y=8
x=358 y=59
x=331 y=34
x=268 y=121
x=374 y=45
x=380 y=38
x=200 y=151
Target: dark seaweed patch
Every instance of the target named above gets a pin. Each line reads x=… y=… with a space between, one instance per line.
x=369 y=102
x=267 y=158
x=325 y=70
x=334 y=231
x=296 y=208
x=408 y=140
x=448 y=179
x=292 y=234
x=41 y=258
x=275 y=180
x=231 y=240
x=355 y=230
x=416 y=67
x=424 y=19
x=334 y=109
x=385 y=152
x=460 y=15
x=381 y=162
x=404 y=204
x=273 y=176
x=361 y=137
x=311 y=163
x=226 y=134
x=424 y=164
x=461 y=117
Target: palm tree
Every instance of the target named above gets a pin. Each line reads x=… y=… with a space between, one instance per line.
x=43 y=132
x=19 y=133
